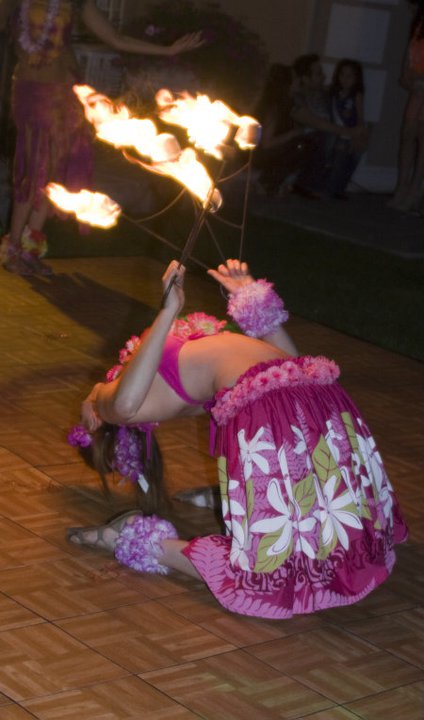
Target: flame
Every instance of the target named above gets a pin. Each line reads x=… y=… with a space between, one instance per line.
x=208 y=123
x=188 y=171
x=115 y=125
x=92 y=208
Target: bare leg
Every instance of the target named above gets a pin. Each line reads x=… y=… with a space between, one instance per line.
x=33 y=234
x=14 y=262
x=415 y=188
x=20 y=215
x=38 y=216
x=407 y=156
x=173 y=557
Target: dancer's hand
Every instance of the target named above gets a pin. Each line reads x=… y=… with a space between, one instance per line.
x=89 y=417
x=175 y=298
x=191 y=41
x=233 y=275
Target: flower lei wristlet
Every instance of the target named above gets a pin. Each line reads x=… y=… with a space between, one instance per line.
x=257 y=308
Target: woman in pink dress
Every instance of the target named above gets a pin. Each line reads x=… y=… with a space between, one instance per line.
x=311 y=517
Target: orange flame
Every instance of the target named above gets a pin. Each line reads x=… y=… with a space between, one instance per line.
x=115 y=125
x=208 y=124
x=188 y=171
x=92 y=208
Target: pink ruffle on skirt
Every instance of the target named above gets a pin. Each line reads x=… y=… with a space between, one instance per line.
x=311 y=516
x=53 y=140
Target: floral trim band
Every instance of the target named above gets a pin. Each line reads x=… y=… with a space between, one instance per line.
x=257 y=308
x=272 y=375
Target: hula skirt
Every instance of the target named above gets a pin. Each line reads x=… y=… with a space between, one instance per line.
x=311 y=517
x=53 y=140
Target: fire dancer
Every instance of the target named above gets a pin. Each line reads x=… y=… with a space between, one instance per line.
x=53 y=141
x=311 y=518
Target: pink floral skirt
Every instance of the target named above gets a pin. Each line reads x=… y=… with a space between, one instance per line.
x=53 y=140
x=311 y=517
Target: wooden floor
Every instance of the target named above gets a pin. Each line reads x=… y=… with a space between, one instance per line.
x=83 y=638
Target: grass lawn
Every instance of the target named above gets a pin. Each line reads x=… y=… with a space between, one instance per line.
x=362 y=291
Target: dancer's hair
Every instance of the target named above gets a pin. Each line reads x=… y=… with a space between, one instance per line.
x=356 y=66
x=100 y=456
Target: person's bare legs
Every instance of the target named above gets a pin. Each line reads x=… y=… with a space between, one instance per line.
x=39 y=215
x=14 y=261
x=407 y=158
x=415 y=189
x=26 y=218
x=173 y=557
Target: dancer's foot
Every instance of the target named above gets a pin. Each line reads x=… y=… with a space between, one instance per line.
x=17 y=265
x=38 y=266
x=102 y=537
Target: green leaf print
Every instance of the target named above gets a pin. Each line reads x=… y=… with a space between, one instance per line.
x=324 y=463
x=250 y=498
x=223 y=477
x=351 y=433
x=365 y=511
x=268 y=563
x=305 y=494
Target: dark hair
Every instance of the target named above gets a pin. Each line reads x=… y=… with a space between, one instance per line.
x=417 y=27
x=303 y=64
x=356 y=66
x=276 y=96
x=100 y=456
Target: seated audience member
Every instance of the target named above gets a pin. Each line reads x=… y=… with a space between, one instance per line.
x=312 y=112
x=283 y=148
x=347 y=110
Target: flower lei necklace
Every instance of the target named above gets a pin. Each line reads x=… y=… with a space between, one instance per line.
x=127 y=454
x=25 y=40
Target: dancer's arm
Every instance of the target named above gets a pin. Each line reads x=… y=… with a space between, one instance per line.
x=102 y=28
x=119 y=402
x=234 y=275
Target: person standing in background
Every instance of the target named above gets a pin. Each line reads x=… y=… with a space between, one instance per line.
x=53 y=141
x=408 y=193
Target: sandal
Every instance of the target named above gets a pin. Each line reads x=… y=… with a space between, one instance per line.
x=101 y=537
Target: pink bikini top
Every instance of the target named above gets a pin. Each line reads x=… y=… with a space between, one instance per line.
x=168 y=367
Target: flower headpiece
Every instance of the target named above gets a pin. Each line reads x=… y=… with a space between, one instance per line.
x=127 y=456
